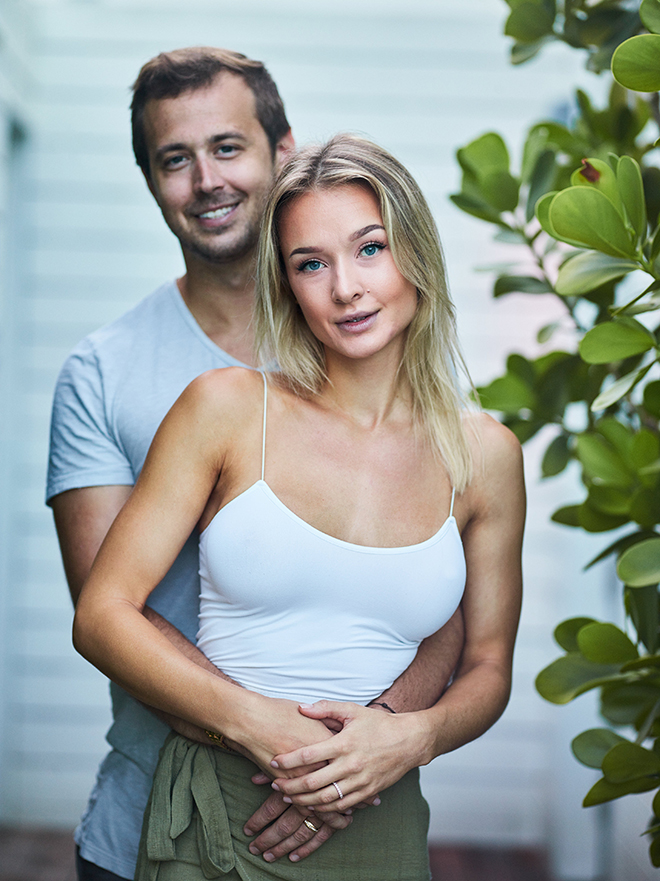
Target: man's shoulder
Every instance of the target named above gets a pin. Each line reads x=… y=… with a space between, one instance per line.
x=137 y=324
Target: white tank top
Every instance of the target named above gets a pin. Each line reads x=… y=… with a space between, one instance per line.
x=291 y=612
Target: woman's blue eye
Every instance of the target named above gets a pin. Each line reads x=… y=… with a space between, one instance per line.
x=310 y=266
x=371 y=249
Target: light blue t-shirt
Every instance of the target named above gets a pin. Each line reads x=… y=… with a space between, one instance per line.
x=111 y=396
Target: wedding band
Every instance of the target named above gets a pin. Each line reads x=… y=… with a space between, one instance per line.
x=339 y=792
x=310 y=825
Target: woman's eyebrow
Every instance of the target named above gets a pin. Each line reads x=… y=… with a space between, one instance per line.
x=352 y=238
x=365 y=230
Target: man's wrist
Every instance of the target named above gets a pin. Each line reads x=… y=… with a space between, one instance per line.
x=382 y=705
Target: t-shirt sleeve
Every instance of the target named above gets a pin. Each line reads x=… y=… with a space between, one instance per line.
x=83 y=448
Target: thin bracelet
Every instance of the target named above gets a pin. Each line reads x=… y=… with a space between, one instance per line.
x=382 y=704
x=218 y=739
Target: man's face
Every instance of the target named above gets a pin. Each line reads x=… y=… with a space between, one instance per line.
x=212 y=167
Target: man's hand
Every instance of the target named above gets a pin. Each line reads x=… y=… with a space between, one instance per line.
x=283 y=829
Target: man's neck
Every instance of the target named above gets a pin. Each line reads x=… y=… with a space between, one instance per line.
x=220 y=298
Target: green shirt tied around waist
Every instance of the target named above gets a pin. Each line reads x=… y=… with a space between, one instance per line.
x=202 y=796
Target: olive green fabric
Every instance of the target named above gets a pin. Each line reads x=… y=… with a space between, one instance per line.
x=202 y=796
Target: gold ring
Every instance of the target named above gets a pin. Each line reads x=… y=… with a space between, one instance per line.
x=310 y=825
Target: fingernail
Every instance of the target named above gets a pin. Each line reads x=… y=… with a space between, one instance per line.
x=294 y=857
x=287 y=799
x=269 y=857
x=376 y=802
x=274 y=764
x=304 y=707
x=254 y=849
x=247 y=831
x=348 y=812
x=275 y=786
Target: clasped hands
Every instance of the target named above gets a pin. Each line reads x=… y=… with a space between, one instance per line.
x=370 y=750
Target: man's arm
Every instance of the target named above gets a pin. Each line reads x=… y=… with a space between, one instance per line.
x=423 y=683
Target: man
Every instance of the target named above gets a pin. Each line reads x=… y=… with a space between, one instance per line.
x=210 y=134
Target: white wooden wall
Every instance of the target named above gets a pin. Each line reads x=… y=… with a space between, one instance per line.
x=422 y=78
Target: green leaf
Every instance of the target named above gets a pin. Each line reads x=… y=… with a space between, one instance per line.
x=507 y=393
x=586 y=216
x=619 y=545
x=521 y=52
x=593 y=520
x=615 y=340
x=523 y=284
x=654 y=852
x=627 y=761
x=572 y=675
x=601 y=461
x=566 y=633
x=529 y=21
x=556 y=456
x=644 y=449
x=476 y=208
x=485 y=155
x=645 y=506
x=603 y=791
x=631 y=188
x=610 y=499
x=541 y=180
x=624 y=702
x=598 y=175
x=643 y=607
x=640 y=564
x=500 y=189
x=649 y=12
x=652 y=398
x=546 y=332
x=590 y=270
x=619 y=435
x=618 y=389
x=569 y=515
x=590 y=747
x=605 y=644
x=636 y=63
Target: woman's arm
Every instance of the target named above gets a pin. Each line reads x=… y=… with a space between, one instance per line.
x=179 y=475
x=374 y=749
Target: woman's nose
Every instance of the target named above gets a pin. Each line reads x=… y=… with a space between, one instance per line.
x=346 y=287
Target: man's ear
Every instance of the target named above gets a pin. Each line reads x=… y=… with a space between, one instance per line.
x=149 y=183
x=285 y=149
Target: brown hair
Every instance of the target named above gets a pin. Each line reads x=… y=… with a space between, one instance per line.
x=432 y=361
x=170 y=74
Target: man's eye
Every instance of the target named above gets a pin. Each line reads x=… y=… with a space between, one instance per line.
x=174 y=161
x=227 y=150
x=371 y=249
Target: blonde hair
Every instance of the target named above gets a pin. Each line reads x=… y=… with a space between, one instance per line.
x=432 y=362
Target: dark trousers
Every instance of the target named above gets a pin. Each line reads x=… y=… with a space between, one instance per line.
x=91 y=872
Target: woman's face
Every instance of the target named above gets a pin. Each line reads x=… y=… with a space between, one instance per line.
x=342 y=273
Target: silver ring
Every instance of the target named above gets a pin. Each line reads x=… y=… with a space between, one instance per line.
x=310 y=825
x=339 y=792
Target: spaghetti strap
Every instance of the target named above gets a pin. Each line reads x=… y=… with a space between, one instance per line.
x=451 y=507
x=263 y=439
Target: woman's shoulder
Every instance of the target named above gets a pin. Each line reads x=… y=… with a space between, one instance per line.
x=223 y=388
x=497 y=454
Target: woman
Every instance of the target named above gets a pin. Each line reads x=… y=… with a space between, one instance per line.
x=331 y=500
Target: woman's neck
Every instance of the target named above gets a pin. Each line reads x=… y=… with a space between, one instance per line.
x=369 y=391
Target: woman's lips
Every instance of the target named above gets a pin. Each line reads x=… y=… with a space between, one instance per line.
x=358 y=322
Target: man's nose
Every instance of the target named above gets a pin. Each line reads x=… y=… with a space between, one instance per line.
x=208 y=176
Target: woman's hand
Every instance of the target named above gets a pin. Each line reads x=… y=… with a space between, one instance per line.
x=373 y=750
x=266 y=727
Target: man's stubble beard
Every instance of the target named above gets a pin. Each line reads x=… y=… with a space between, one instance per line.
x=214 y=252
